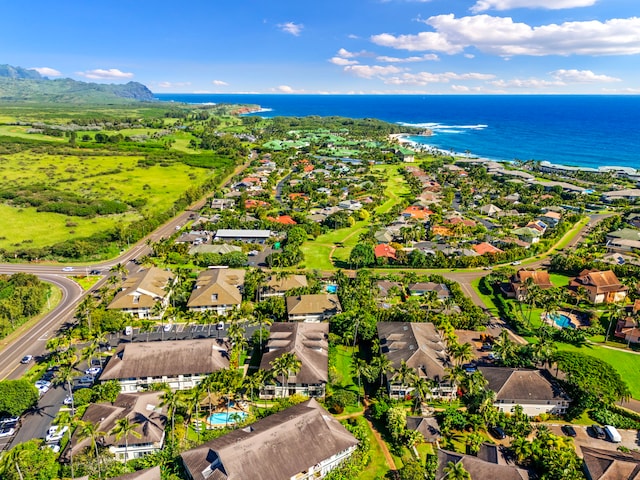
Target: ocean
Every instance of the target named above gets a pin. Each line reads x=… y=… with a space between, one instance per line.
x=578 y=130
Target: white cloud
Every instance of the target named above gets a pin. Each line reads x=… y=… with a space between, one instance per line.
x=420 y=42
x=502 y=36
x=220 y=83
x=483 y=5
x=422 y=58
x=47 y=71
x=371 y=71
x=534 y=83
x=460 y=88
x=102 y=74
x=469 y=55
x=286 y=89
x=424 y=78
x=342 y=61
x=353 y=37
x=173 y=84
x=293 y=28
x=582 y=76
x=344 y=53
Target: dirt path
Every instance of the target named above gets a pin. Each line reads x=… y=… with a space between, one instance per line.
x=383 y=447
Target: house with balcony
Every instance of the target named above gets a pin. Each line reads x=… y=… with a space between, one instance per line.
x=602 y=287
x=302 y=442
x=218 y=290
x=312 y=308
x=536 y=391
x=278 y=286
x=422 y=348
x=522 y=279
x=181 y=364
x=141 y=291
x=143 y=409
x=309 y=343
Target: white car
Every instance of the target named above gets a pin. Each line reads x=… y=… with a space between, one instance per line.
x=87 y=379
x=93 y=371
x=68 y=400
x=7 y=431
x=56 y=433
x=517 y=262
x=67 y=269
x=26 y=359
x=43 y=386
x=55 y=447
x=167 y=327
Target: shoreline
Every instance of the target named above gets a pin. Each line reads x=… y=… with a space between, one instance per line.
x=402 y=139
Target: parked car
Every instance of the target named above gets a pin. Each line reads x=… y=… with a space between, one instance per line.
x=486 y=347
x=167 y=327
x=128 y=330
x=95 y=272
x=9 y=421
x=43 y=386
x=55 y=433
x=26 y=359
x=67 y=269
x=86 y=379
x=93 y=371
x=497 y=432
x=220 y=326
x=612 y=434
x=7 y=431
x=568 y=430
x=597 y=431
x=470 y=367
x=517 y=262
x=68 y=400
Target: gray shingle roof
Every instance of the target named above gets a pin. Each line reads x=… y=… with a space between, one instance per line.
x=521 y=386
x=311 y=304
x=218 y=286
x=147 y=286
x=478 y=468
x=170 y=358
x=277 y=447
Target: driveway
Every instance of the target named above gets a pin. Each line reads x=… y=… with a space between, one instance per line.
x=583 y=439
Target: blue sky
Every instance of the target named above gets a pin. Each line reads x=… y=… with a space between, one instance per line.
x=346 y=46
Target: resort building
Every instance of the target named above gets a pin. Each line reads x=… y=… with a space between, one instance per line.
x=142 y=409
x=246 y=236
x=602 y=287
x=630 y=194
x=181 y=364
x=309 y=343
x=302 y=442
x=279 y=286
x=523 y=279
x=217 y=289
x=422 y=348
x=600 y=464
x=534 y=390
x=141 y=291
x=480 y=467
x=312 y=308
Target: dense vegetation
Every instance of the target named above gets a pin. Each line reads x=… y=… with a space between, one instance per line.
x=22 y=296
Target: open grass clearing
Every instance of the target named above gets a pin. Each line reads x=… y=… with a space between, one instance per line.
x=377 y=467
x=627 y=364
x=395 y=186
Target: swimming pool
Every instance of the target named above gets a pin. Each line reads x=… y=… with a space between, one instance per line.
x=221 y=418
x=332 y=288
x=563 y=321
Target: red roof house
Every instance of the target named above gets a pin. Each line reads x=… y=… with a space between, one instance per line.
x=384 y=251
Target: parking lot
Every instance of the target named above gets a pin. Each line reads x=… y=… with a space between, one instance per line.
x=629 y=439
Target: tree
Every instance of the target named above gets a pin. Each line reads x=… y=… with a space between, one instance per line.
x=124 y=428
x=90 y=430
x=285 y=365
x=405 y=375
x=65 y=375
x=456 y=471
x=171 y=400
x=382 y=365
x=362 y=256
x=17 y=396
x=28 y=461
x=359 y=367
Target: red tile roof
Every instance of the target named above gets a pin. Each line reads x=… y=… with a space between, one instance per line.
x=385 y=251
x=484 y=247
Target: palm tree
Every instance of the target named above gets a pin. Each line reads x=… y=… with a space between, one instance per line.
x=124 y=428
x=616 y=312
x=90 y=430
x=421 y=390
x=456 y=471
x=359 y=367
x=382 y=365
x=64 y=376
x=255 y=382
x=462 y=353
x=405 y=375
x=285 y=365
x=120 y=269
x=66 y=419
x=172 y=402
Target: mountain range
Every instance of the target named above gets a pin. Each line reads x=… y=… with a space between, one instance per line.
x=19 y=84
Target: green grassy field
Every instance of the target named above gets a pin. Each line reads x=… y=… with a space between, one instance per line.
x=627 y=364
x=114 y=177
x=396 y=186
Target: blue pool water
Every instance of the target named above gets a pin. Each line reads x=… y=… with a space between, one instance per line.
x=563 y=321
x=221 y=417
x=332 y=288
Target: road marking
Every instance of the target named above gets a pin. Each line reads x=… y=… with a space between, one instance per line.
x=44 y=337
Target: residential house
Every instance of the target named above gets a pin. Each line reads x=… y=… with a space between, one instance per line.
x=383 y=236
x=417 y=212
x=218 y=248
x=601 y=464
x=141 y=291
x=423 y=288
x=279 y=286
x=631 y=194
x=309 y=343
x=217 y=289
x=247 y=236
x=551 y=218
x=485 y=248
x=181 y=364
x=350 y=205
x=302 y=442
x=624 y=240
x=194 y=237
x=384 y=251
x=387 y=288
x=222 y=204
x=283 y=220
x=628 y=328
x=534 y=390
x=423 y=349
x=252 y=204
x=490 y=210
x=312 y=308
x=152 y=473
x=602 y=287
x=427 y=426
x=143 y=409
x=478 y=468
x=528 y=234
x=519 y=282
x=633 y=219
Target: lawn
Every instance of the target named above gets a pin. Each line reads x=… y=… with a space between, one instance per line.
x=317 y=253
x=627 y=364
x=396 y=186
x=559 y=280
x=99 y=176
x=377 y=467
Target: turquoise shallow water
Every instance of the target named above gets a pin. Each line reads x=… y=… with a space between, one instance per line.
x=580 y=130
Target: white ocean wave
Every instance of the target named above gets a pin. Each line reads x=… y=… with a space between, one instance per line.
x=444 y=128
